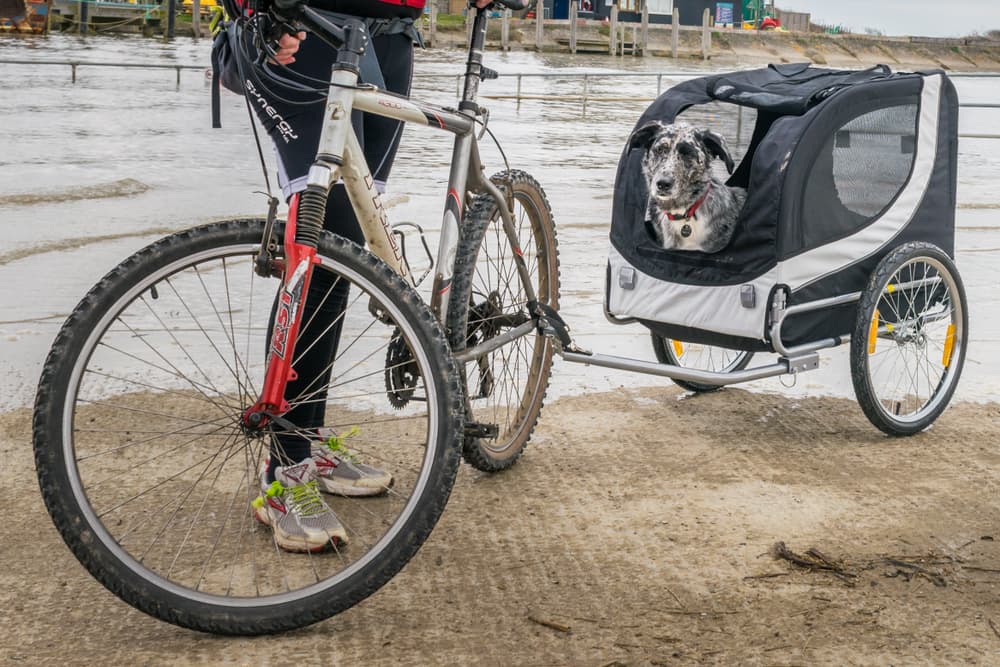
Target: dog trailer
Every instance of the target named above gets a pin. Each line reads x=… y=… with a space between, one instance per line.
x=846 y=235
x=842 y=167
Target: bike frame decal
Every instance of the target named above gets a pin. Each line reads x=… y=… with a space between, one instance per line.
x=288 y=308
x=401 y=108
x=287 y=320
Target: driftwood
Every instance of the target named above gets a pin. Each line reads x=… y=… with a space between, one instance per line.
x=555 y=625
x=814 y=560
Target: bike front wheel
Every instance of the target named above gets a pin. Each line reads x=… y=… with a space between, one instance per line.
x=505 y=388
x=149 y=473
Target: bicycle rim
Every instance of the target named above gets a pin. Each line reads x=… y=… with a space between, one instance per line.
x=916 y=341
x=162 y=471
x=506 y=388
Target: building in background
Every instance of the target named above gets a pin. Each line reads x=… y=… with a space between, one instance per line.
x=24 y=16
x=722 y=12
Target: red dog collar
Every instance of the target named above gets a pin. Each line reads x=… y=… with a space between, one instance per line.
x=694 y=207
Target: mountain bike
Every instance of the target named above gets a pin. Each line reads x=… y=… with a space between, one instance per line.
x=157 y=402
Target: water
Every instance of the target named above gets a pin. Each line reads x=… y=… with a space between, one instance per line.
x=92 y=171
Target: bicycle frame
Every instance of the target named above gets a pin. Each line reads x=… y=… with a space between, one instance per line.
x=340 y=158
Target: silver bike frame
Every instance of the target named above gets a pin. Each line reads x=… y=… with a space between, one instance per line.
x=339 y=144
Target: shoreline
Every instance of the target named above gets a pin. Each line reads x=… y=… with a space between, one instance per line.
x=737 y=47
x=728 y=47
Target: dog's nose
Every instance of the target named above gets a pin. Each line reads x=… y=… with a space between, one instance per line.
x=664 y=184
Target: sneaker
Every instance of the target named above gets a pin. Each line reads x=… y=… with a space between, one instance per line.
x=295 y=510
x=340 y=472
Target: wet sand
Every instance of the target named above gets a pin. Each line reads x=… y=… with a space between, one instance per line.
x=638 y=529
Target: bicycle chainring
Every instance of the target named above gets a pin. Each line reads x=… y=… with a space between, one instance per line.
x=484 y=321
x=401 y=372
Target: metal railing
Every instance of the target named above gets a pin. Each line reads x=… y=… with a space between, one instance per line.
x=74 y=64
x=584 y=97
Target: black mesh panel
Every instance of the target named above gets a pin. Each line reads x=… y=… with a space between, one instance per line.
x=858 y=172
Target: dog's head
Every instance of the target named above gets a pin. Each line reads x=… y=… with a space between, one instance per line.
x=677 y=163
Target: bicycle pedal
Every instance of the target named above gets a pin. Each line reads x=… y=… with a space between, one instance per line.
x=477 y=430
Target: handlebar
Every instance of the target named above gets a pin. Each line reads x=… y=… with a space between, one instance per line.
x=290 y=15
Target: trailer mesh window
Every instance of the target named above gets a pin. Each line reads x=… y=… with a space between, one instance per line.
x=860 y=170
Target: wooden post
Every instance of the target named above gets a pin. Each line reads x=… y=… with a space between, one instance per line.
x=706 y=34
x=171 y=18
x=539 y=24
x=739 y=127
x=83 y=16
x=505 y=31
x=675 y=32
x=644 y=48
x=572 y=25
x=434 y=23
x=196 y=18
x=613 y=46
x=635 y=39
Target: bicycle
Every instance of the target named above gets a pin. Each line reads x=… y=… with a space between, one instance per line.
x=156 y=405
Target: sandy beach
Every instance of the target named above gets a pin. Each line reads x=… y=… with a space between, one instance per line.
x=639 y=529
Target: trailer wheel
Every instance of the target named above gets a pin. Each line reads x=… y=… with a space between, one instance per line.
x=910 y=339
x=699 y=357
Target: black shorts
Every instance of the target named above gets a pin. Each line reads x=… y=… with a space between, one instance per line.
x=293 y=118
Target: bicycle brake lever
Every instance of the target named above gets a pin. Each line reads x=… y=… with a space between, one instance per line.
x=267 y=36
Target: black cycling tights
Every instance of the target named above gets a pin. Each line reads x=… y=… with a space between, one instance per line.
x=296 y=150
x=326 y=301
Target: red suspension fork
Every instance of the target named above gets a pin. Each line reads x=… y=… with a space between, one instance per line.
x=299 y=262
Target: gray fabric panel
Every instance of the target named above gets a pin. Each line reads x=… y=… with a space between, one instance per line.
x=710 y=308
x=814 y=264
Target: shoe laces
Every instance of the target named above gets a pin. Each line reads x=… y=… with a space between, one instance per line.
x=302 y=499
x=335 y=443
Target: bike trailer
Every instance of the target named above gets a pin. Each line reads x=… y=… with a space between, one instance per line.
x=842 y=167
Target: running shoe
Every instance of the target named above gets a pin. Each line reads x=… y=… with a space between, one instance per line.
x=340 y=471
x=294 y=508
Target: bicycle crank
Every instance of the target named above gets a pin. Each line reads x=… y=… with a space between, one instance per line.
x=401 y=372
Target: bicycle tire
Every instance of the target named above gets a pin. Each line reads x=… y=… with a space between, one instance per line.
x=245 y=585
x=913 y=317
x=710 y=357
x=482 y=285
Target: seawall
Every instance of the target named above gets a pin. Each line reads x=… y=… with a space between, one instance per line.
x=734 y=47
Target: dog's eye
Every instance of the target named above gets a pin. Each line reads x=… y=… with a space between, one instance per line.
x=684 y=149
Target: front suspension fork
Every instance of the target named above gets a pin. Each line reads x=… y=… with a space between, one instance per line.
x=300 y=259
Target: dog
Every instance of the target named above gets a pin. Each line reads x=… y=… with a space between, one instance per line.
x=689 y=208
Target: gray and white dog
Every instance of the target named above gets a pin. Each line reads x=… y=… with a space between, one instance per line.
x=689 y=208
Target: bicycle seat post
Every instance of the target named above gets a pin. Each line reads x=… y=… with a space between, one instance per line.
x=474 y=65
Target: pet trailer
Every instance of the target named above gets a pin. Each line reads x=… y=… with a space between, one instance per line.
x=846 y=235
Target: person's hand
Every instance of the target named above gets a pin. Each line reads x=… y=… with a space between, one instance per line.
x=480 y=4
x=288 y=45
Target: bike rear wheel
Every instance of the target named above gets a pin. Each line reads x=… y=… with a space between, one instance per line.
x=149 y=473
x=505 y=388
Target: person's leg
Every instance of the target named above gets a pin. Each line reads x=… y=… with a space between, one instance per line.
x=327 y=298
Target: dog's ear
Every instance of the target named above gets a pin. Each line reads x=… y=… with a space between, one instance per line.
x=645 y=135
x=715 y=143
